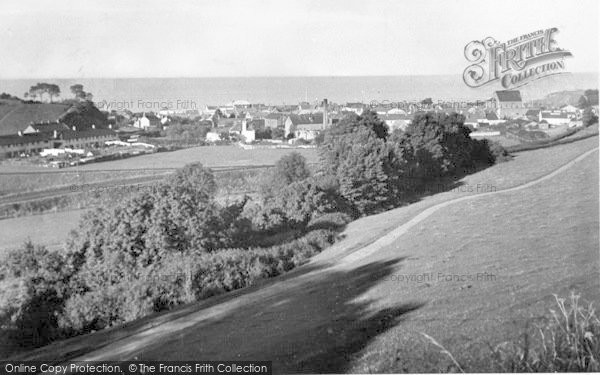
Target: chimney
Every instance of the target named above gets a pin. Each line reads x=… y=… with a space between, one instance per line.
x=325 y=114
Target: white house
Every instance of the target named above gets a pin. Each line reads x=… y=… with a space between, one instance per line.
x=570 y=109
x=248 y=135
x=357 y=108
x=142 y=123
x=554 y=118
x=396 y=111
x=213 y=137
x=396 y=121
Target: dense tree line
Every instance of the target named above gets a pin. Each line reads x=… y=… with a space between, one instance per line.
x=172 y=244
x=186 y=133
x=83 y=115
x=38 y=90
x=376 y=170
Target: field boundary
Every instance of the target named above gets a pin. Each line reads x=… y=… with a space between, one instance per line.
x=561 y=140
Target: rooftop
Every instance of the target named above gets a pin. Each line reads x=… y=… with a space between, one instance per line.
x=316 y=118
x=509 y=96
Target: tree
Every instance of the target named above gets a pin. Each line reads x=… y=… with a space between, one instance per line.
x=427 y=101
x=436 y=145
x=291 y=168
x=83 y=115
x=39 y=89
x=277 y=133
x=370 y=120
x=589 y=117
x=589 y=98
x=361 y=171
x=53 y=90
x=33 y=287
x=79 y=93
x=264 y=133
x=359 y=160
x=119 y=248
x=352 y=123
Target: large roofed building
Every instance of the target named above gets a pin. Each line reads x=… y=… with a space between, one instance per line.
x=509 y=104
x=37 y=137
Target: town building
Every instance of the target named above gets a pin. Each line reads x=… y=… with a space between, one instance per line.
x=142 y=122
x=308 y=126
x=509 y=104
x=554 y=118
x=396 y=121
x=274 y=120
x=357 y=108
x=213 y=137
x=37 y=137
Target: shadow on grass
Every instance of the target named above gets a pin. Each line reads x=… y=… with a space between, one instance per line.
x=315 y=319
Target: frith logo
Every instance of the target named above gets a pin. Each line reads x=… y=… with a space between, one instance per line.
x=516 y=62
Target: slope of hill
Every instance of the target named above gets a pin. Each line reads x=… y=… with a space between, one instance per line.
x=344 y=312
x=560 y=98
x=15 y=116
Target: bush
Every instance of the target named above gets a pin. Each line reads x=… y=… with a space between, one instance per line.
x=291 y=168
x=33 y=287
x=498 y=152
x=180 y=278
x=117 y=249
x=294 y=205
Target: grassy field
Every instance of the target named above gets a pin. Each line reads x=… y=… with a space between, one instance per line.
x=49 y=229
x=15 y=183
x=504 y=141
x=210 y=156
x=20 y=178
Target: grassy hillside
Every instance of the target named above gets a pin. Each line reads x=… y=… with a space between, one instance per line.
x=536 y=242
x=561 y=98
x=15 y=116
x=353 y=317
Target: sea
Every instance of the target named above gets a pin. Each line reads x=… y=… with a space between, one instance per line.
x=153 y=94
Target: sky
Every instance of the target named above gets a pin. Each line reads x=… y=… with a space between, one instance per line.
x=155 y=38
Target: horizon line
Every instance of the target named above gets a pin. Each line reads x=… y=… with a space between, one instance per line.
x=258 y=76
